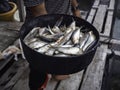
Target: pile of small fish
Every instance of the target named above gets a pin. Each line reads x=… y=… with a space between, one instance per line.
x=60 y=41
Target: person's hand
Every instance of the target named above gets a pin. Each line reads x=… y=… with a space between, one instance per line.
x=77 y=13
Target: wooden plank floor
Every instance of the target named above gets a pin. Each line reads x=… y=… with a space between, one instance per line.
x=101 y=16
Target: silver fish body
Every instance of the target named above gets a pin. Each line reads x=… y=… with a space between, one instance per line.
x=56 y=29
x=76 y=36
x=31 y=34
x=50 y=52
x=50 y=38
x=83 y=40
x=61 y=55
x=31 y=41
x=37 y=44
x=44 y=49
x=90 y=40
x=70 y=50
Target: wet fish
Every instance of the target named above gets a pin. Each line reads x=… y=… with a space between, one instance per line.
x=83 y=40
x=70 y=50
x=50 y=51
x=76 y=36
x=31 y=41
x=42 y=31
x=50 y=38
x=56 y=29
x=44 y=49
x=50 y=30
x=32 y=33
x=37 y=44
x=61 y=55
x=90 y=40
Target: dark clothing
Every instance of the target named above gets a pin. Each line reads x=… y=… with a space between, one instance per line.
x=52 y=6
x=36 y=79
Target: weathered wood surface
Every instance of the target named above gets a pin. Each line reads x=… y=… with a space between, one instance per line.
x=93 y=11
x=71 y=83
x=96 y=4
x=22 y=83
x=13 y=74
x=109 y=20
x=94 y=73
x=112 y=5
x=9 y=32
x=100 y=17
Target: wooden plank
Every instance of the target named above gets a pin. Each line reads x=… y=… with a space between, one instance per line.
x=22 y=83
x=91 y=15
x=115 y=51
x=111 y=5
x=108 y=24
x=11 y=25
x=93 y=11
x=100 y=16
x=11 y=76
x=5 y=62
x=112 y=41
x=8 y=36
x=94 y=72
x=71 y=83
x=17 y=76
x=96 y=4
x=52 y=84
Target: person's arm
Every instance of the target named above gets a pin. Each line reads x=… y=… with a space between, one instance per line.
x=76 y=11
x=38 y=9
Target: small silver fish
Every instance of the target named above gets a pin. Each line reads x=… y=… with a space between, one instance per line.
x=90 y=40
x=31 y=41
x=56 y=29
x=76 y=36
x=37 y=44
x=83 y=40
x=70 y=50
x=61 y=55
x=50 y=51
x=50 y=30
x=32 y=33
x=42 y=31
x=44 y=49
x=50 y=38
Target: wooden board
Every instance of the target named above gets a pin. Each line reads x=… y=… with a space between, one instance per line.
x=109 y=20
x=96 y=4
x=94 y=73
x=7 y=37
x=13 y=74
x=91 y=15
x=112 y=5
x=22 y=83
x=93 y=11
x=100 y=16
x=71 y=83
